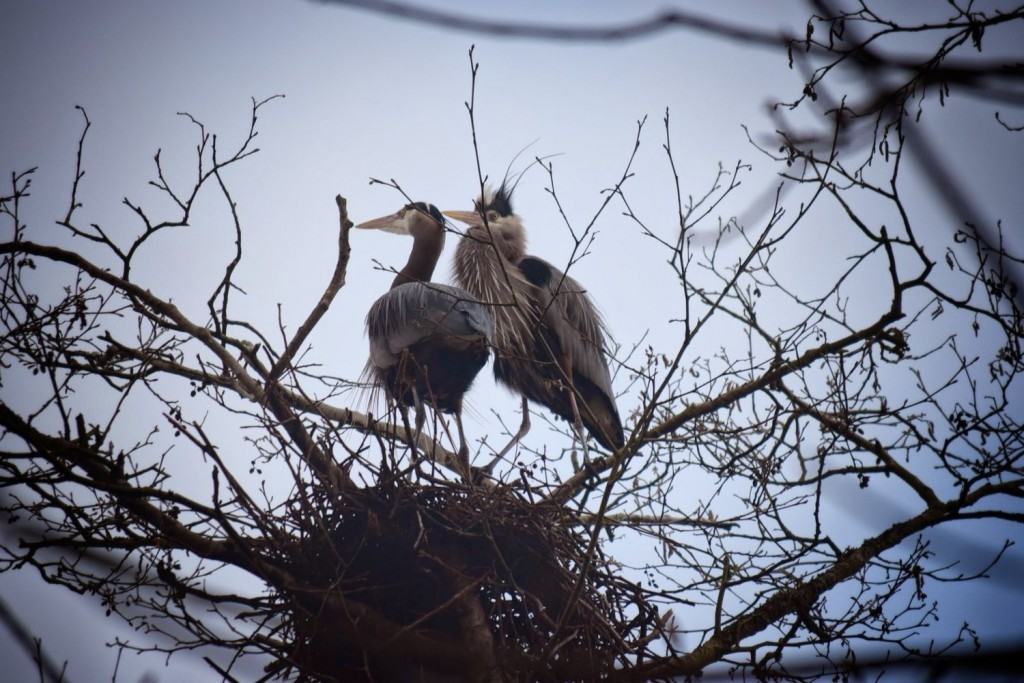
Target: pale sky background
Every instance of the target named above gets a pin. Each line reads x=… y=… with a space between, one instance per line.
x=371 y=96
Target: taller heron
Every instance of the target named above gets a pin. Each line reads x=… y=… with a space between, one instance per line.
x=548 y=336
x=428 y=341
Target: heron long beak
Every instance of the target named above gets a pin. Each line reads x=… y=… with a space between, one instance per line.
x=468 y=217
x=393 y=222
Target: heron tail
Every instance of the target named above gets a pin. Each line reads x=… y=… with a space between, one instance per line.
x=600 y=416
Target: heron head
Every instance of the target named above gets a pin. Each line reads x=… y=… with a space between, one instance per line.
x=492 y=215
x=416 y=219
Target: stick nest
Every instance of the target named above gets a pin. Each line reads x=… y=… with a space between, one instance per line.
x=413 y=554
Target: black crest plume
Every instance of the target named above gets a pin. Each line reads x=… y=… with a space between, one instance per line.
x=500 y=200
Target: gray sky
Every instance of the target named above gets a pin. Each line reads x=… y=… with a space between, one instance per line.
x=370 y=96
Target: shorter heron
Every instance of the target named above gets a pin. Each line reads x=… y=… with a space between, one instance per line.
x=428 y=341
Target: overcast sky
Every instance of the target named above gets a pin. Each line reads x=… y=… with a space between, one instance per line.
x=371 y=96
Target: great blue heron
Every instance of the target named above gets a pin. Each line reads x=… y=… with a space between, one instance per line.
x=548 y=337
x=428 y=341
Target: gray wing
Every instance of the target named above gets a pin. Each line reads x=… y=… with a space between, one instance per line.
x=414 y=311
x=573 y=317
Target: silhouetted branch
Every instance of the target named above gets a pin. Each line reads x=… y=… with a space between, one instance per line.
x=657 y=23
x=336 y=283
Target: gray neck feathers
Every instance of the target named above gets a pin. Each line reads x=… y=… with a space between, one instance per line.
x=495 y=282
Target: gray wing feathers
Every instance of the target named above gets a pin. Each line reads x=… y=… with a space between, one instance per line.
x=579 y=326
x=414 y=311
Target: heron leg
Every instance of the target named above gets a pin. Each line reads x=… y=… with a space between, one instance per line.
x=421 y=416
x=524 y=427
x=403 y=411
x=463 y=446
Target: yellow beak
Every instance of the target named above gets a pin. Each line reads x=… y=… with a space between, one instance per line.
x=468 y=217
x=393 y=222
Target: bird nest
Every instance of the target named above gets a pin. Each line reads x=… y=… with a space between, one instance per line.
x=414 y=554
